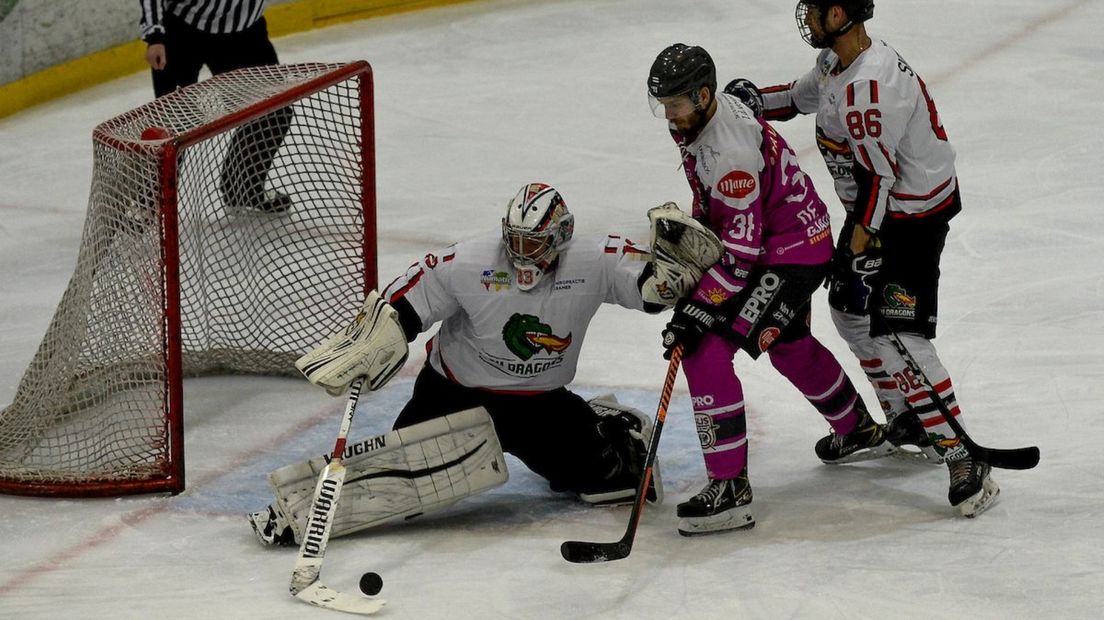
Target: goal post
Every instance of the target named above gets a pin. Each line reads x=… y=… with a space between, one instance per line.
x=230 y=229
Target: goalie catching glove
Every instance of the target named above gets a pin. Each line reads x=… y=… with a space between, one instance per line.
x=373 y=345
x=682 y=250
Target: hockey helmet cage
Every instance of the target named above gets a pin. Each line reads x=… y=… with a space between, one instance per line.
x=858 y=11
x=537 y=225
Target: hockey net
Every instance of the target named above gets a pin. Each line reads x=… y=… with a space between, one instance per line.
x=230 y=229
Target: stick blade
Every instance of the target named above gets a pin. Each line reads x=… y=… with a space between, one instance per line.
x=1015 y=458
x=320 y=595
x=581 y=552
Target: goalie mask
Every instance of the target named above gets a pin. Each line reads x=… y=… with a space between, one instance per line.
x=536 y=227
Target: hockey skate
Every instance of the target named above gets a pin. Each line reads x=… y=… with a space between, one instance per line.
x=905 y=429
x=972 y=490
x=271 y=527
x=866 y=441
x=721 y=505
x=617 y=420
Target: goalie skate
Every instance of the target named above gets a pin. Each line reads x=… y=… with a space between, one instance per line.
x=636 y=427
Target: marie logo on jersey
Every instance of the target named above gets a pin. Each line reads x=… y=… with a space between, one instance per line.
x=736 y=184
x=533 y=343
x=498 y=279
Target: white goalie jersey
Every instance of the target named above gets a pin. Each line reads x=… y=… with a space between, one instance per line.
x=494 y=335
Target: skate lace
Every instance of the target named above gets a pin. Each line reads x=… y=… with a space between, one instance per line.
x=713 y=491
x=961 y=472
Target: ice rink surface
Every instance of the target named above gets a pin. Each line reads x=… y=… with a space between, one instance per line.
x=472 y=102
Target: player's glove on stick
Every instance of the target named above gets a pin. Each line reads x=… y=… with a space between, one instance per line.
x=853 y=280
x=748 y=93
x=691 y=322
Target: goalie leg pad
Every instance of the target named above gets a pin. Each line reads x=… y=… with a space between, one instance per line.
x=407 y=472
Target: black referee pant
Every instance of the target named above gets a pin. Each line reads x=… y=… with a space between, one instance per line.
x=253 y=147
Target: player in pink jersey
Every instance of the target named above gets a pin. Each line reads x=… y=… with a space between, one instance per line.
x=749 y=190
x=894 y=170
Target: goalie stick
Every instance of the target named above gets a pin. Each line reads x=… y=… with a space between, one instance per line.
x=305 y=583
x=582 y=552
x=1004 y=458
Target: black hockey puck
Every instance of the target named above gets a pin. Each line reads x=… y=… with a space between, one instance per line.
x=371 y=583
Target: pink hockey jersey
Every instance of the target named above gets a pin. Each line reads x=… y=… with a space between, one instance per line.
x=749 y=189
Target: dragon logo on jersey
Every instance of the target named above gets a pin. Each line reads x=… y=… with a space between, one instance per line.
x=525 y=336
x=498 y=279
x=534 y=347
x=899 y=304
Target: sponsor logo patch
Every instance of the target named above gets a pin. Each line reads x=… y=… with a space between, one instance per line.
x=498 y=279
x=767 y=337
x=736 y=184
x=707 y=430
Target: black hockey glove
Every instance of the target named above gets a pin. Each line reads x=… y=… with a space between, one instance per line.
x=853 y=280
x=692 y=320
x=747 y=92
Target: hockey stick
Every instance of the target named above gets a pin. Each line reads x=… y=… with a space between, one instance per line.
x=1004 y=458
x=582 y=552
x=305 y=584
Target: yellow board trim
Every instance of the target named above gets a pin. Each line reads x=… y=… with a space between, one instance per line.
x=99 y=67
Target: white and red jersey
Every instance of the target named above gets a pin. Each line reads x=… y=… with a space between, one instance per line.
x=876 y=113
x=494 y=335
x=750 y=191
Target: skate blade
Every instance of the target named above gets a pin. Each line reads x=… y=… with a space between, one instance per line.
x=735 y=519
x=912 y=454
x=981 y=501
x=868 y=454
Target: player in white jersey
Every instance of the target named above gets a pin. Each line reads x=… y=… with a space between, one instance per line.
x=514 y=307
x=894 y=170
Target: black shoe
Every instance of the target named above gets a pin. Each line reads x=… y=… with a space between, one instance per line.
x=866 y=441
x=905 y=429
x=268 y=201
x=972 y=490
x=721 y=505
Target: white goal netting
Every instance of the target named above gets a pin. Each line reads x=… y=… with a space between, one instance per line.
x=230 y=228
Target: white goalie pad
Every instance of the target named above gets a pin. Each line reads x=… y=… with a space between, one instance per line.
x=682 y=250
x=373 y=345
x=397 y=475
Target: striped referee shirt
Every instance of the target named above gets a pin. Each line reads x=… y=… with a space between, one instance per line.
x=211 y=16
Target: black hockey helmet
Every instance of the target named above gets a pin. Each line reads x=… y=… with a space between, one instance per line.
x=682 y=69
x=858 y=11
